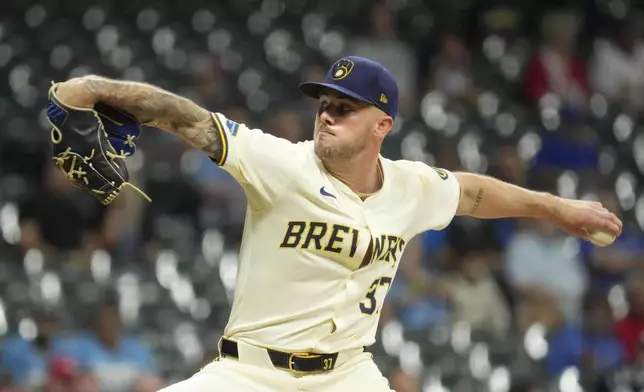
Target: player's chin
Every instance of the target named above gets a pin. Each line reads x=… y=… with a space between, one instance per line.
x=322 y=140
x=324 y=150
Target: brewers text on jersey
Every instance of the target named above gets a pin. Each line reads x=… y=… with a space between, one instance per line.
x=327 y=237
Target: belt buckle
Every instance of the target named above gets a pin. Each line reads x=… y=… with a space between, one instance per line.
x=291 y=363
x=299 y=355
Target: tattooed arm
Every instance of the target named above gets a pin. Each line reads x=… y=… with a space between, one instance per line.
x=151 y=105
x=487 y=197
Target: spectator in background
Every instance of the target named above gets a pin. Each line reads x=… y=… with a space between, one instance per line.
x=547 y=275
x=617 y=66
x=630 y=329
x=475 y=297
x=592 y=347
x=481 y=241
x=451 y=72
x=120 y=363
x=383 y=46
x=446 y=287
x=555 y=68
x=610 y=266
x=59 y=220
x=27 y=360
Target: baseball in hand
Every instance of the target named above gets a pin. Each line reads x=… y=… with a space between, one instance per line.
x=600 y=238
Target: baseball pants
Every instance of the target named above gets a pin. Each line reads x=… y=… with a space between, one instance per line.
x=254 y=372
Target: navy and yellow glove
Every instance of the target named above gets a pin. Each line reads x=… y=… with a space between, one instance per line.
x=90 y=146
x=121 y=127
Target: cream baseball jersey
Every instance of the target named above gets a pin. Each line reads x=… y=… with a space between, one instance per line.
x=316 y=261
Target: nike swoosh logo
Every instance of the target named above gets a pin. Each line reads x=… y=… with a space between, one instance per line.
x=323 y=192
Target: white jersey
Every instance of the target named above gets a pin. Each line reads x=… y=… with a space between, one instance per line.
x=301 y=283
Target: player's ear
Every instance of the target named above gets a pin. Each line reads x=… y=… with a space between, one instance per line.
x=385 y=124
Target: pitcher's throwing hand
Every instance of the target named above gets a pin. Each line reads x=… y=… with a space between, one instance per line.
x=586 y=219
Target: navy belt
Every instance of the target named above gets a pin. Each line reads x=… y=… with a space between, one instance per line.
x=296 y=362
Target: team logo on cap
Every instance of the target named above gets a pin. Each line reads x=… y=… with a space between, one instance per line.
x=342 y=68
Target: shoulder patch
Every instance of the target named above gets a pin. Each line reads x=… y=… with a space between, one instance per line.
x=232 y=127
x=441 y=173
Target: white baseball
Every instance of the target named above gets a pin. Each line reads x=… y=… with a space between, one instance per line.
x=600 y=238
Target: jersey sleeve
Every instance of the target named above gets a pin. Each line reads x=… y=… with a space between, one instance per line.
x=261 y=163
x=439 y=195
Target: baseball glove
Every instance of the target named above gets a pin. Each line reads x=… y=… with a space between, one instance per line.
x=90 y=146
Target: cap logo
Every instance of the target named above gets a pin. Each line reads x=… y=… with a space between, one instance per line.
x=383 y=98
x=342 y=68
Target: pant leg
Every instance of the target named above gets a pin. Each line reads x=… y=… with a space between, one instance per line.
x=357 y=374
x=229 y=375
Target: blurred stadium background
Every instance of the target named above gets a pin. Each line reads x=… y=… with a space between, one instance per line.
x=545 y=94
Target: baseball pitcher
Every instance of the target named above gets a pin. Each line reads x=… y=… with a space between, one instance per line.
x=327 y=219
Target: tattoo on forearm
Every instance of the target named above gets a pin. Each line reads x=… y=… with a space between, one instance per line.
x=162 y=109
x=477 y=202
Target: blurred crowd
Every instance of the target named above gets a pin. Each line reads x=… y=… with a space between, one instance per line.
x=555 y=95
x=98 y=359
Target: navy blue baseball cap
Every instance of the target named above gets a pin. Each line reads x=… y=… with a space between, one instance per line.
x=361 y=79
